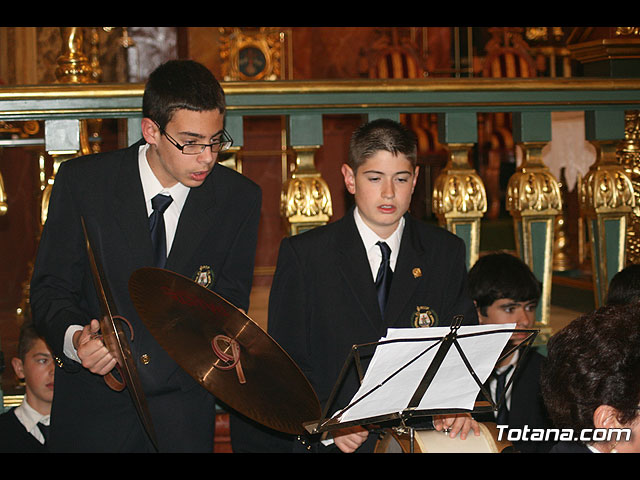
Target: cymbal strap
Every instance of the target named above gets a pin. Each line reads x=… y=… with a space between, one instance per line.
x=222 y=354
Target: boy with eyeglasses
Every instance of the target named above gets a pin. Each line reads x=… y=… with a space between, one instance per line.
x=208 y=221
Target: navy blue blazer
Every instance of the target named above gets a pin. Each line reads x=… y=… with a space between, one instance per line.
x=323 y=301
x=217 y=229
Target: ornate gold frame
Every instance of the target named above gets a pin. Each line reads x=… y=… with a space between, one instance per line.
x=268 y=41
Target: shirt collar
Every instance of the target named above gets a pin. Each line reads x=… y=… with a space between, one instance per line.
x=30 y=417
x=151 y=186
x=370 y=238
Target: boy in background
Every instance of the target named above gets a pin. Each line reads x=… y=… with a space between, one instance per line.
x=23 y=429
x=505 y=290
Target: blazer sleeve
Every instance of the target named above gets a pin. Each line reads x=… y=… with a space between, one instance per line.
x=60 y=267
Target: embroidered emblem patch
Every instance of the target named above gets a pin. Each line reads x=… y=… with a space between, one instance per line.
x=204 y=276
x=424 y=317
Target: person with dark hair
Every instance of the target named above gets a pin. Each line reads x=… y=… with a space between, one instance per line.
x=591 y=381
x=23 y=429
x=327 y=294
x=624 y=287
x=505 y=291
x=163 y=202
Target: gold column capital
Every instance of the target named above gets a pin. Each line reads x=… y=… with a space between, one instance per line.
x=459 y=191
x=305 y=201
x=606 y=188
x=533 y=190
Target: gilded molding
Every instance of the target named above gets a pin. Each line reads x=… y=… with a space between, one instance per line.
x=305 y=198
x=459 y=191
x=73 y=65
x=628 y=154
x=606 y=187
x=533 y=190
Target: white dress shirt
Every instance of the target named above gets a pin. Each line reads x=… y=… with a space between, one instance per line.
x=370 y=238
x=151 y=187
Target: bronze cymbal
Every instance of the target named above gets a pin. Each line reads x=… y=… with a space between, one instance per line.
x=115 y=339
x=224 y=350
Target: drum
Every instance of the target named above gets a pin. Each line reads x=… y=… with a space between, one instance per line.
x=432 y=441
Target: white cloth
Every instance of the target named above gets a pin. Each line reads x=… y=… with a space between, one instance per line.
x=567 y=149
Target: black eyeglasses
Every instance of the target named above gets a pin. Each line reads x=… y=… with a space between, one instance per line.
x=221 y=145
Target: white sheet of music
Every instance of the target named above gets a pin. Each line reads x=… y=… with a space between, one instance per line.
x=387 y=387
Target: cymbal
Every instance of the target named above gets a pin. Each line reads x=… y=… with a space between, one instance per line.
x=116 y=342
x=224 y=350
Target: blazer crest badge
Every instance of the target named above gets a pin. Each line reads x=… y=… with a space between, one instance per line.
x=424 y=317
x=204 y=276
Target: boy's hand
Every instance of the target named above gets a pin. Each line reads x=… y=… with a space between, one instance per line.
x=91 y=350
x=458 y=423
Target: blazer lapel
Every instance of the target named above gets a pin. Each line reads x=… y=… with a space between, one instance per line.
x=354 y=266
x=195 y=221
x=411 y=265
x=129 y=208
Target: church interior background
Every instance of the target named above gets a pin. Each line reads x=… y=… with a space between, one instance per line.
x=259 y=55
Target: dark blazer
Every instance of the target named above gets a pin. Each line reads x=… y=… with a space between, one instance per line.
x=527 y=404
x=323 y=301
x=14 y=438
x=217 y=228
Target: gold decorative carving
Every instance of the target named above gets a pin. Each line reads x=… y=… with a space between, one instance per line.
x=460 y=199
x=73 y=65
x=628 y=155
x=534 y=201
x=606 y=197
x=626 y=31
x=533 y=190
x=606 y=187
x=459 y=190
x=305 y=200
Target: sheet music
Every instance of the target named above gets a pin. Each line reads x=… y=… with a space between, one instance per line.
x=385 y=392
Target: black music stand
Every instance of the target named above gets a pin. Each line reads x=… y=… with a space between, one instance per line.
x=401 y=420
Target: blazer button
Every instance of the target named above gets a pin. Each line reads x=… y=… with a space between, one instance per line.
x=145 y=359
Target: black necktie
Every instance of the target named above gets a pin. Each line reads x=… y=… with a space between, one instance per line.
x=44 y=429
x=384 y=276
x=503 y=413
x=156 y=224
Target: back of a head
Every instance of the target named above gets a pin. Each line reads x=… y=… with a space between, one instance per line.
x=381 y=135
x=181 y=84
x=593 y=361
x=625 y=286
x=501 y=275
